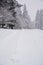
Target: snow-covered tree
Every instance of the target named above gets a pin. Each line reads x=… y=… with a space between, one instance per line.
x=8 y=12
x=25 y=12
x=26 y=17
x=23 y=19
x=39 y=19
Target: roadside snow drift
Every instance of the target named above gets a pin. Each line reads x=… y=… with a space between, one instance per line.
x=21 y=47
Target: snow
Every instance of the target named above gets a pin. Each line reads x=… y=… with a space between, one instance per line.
x=21 y=47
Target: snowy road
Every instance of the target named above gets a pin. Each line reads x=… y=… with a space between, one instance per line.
x=21 y=47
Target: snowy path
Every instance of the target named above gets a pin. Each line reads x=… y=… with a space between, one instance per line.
x=21 y=47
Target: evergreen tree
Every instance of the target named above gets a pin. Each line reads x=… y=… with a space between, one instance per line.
x=25 y=13
x=9 y=13
x=37 y=20
x=41 y=19
x=26 y=17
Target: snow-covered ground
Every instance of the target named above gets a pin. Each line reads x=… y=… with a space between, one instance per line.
x=21 y=47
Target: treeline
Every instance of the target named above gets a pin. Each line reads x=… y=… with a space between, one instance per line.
x=12 y=17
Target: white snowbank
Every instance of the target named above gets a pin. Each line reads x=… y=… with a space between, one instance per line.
x=21 y=47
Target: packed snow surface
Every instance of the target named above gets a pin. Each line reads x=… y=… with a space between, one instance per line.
x=21 y=47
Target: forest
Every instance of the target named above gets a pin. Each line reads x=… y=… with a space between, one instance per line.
x=12 y=17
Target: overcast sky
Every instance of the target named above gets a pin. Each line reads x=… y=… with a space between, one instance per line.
x=32 y=6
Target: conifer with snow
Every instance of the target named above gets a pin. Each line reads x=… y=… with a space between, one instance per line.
x=8 y=13
x=26 y=17
x=39 y=19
